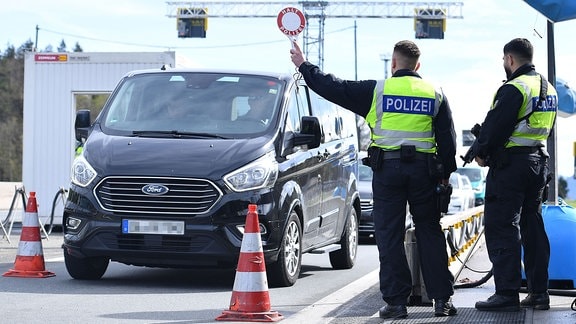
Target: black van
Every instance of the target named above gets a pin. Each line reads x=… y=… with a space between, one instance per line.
x=172 y=162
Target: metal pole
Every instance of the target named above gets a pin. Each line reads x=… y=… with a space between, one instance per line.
x=36 y=41
x=385 y=58
x=355 y=54
x=552 y=140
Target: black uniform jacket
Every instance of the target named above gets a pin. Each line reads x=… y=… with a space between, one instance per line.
x=356 y=96
x=502 y=119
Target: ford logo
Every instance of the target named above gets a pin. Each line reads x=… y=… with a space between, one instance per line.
x=155 y=189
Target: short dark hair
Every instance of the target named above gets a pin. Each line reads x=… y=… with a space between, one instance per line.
x=409 y=52
x=521 y=48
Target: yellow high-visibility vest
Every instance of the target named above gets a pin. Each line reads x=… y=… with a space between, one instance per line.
x=402 y=113
x=534 y=130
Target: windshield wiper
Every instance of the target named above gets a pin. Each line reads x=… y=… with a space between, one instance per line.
x=175 y=134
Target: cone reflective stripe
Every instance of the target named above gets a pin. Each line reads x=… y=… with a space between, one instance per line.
x=250 y=284
x=30 y=259
x=250 y=301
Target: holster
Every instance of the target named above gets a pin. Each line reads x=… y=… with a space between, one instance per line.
x=374 y=159
x=435 y=167
x=443 y=194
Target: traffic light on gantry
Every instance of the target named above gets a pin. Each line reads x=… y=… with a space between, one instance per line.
x=429 y=23
x=189 y=24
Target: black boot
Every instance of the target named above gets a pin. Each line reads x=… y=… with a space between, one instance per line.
x=393 y=311
x=444 y=307
x=536 y=301
x=499 y=303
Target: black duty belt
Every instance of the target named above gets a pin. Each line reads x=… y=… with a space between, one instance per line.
x=523 y=149
x=391 y=155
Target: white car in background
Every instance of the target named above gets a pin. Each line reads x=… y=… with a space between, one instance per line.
x=463 y=195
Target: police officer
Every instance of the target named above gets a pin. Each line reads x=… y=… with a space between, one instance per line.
x=511 y=142
x=411 y=123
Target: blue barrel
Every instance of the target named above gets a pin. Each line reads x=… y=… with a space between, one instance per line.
x=560 y=224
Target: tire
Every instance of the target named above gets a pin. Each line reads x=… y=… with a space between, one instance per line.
x=286 y=270
x=85 y=268
x=346 y=256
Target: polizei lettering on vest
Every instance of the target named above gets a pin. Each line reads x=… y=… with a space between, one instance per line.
x=410 y=105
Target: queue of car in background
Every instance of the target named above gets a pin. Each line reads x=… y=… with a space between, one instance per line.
x=463 y=196
x=366 y=222
x=477 y=180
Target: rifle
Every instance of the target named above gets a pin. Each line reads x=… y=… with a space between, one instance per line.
x=473 y=150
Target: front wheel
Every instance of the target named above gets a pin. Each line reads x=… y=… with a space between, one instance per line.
x=346 y=256
x=85 y=268
x=285 y=271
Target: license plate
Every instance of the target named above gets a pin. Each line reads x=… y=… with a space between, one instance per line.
x=137 y=226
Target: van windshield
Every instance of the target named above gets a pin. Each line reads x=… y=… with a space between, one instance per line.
x=227 y=105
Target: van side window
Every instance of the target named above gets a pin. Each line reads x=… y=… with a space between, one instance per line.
x=303 y=102
x=297 y=107
x=328 y=116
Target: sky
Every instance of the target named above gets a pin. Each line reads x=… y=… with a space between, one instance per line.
x=467 y=63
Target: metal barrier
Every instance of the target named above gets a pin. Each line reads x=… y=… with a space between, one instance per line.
x=63 y=195
x=8 y=221
x=462 y=232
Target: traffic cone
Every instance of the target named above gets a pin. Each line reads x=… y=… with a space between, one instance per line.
x=30 y=259
x=250 y=300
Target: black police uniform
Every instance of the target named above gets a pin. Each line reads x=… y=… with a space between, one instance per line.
x=514 y=186
x=395 y=184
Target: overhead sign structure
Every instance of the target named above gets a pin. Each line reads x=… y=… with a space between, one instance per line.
x=430 y=23
x=291 y=22
x=191 y=27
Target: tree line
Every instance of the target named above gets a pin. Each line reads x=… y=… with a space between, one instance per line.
x=12 y=105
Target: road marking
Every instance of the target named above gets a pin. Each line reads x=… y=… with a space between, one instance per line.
x=58 y=259
x=318 y=311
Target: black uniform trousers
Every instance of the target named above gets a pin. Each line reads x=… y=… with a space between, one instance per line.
x=393 y=185
x=513 y=220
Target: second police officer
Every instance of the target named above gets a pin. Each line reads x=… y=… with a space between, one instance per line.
x=512 y=143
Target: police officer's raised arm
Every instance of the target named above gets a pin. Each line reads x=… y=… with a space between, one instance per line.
x=355 y=96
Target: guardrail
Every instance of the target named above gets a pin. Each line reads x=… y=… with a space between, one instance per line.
x=8 y=221
x=462 y=232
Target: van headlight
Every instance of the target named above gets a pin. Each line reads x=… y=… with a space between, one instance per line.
x=82 y=172
x=261 y=173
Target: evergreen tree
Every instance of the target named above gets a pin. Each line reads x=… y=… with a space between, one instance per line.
x=62 y=47
x=78 y=48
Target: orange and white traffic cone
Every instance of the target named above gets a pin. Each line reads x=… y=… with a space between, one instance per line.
x=250 y=300
x=30 y=259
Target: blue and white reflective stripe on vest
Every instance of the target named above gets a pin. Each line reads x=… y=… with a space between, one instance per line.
x=398 y=119
x=534 y=130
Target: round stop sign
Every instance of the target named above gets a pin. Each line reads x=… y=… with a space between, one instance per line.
x=291 y=21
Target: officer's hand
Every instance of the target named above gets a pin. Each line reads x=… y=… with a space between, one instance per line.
x=480 y=161
x=296 y=55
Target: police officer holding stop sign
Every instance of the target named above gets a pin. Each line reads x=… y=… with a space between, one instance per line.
x=412 y=153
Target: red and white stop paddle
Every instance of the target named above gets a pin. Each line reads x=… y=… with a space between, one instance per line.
x=291 y=22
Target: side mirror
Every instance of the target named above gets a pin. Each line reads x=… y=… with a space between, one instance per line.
x=310 y=134
x=82 y=124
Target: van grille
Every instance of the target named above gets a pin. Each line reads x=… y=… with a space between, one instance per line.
x=184 y=196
